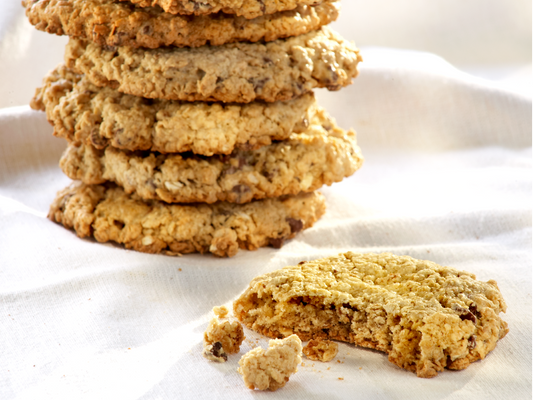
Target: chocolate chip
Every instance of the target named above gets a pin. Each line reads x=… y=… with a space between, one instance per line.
x=233 y=169
x=215 y=352
x=277 y=243
x=218 y=350
x=259 y=83
x=111 y=49
x=296 y=224
x=200 y=73
x=302 y=262
x=473 y=309
x=468 y=316
x=96 y=140
x=471 y=342
x=147 y=30
x=240 y=189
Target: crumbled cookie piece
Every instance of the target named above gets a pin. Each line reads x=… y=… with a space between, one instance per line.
x=215 y=352
x=109 y=23
x=234 y=72
x=426 y=317
x=270 y=369
x=107 y=213
x=321 y=350
x=221 y=312
x=229 y=334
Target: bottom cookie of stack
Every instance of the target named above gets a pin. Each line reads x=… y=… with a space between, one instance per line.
x=107 y=213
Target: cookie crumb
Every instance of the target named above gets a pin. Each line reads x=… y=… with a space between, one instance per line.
x=271 y=368
x=221 y=312
x=229 y=334
x=340 y=378
x=321 y=350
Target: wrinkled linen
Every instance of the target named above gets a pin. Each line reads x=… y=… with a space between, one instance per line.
x=447 y=177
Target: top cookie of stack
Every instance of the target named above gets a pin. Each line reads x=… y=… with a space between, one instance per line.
x=181 y=101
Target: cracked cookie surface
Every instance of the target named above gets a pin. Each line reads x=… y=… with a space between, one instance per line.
x=426 y=317
x=109 y=23
x=322 y=155
x=84 y=113
x=107 y=213
x=231 y=73
x=245 y=8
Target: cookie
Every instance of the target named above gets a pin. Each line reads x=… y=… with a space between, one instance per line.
x=424 y=316
x=231 y=73
x=109 y=23
x=108 y=214
x=245 y=8
x=84 y=113
x=271 y=368
x=322 y=155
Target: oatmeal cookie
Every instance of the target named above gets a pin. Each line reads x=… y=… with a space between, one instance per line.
x=231 y=73
x=84 y=113
x=109 y=23
x=245 y=8
x=270 y=369
x=107 y=213
x=424 y=316
x=322 y=155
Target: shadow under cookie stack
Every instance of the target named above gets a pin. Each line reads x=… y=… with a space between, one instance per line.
x=192 y=125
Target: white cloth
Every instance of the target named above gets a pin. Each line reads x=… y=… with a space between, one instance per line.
x=447 y=177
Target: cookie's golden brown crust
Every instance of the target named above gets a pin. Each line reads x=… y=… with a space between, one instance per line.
x=109 y=23
x=84 y=113
x=107 y=213
x=424 y=316
x=231 y=73
x=321 y=155
x=245 y=8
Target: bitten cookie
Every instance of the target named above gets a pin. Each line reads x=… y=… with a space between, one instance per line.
x=109 y=23
x=424 y=316
x=246 y=8
x=322 y=155
x=84 y=113
x=237 y=72
x=107 y=213
x=271 y=368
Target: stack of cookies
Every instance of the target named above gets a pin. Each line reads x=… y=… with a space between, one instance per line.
x=191 y=125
